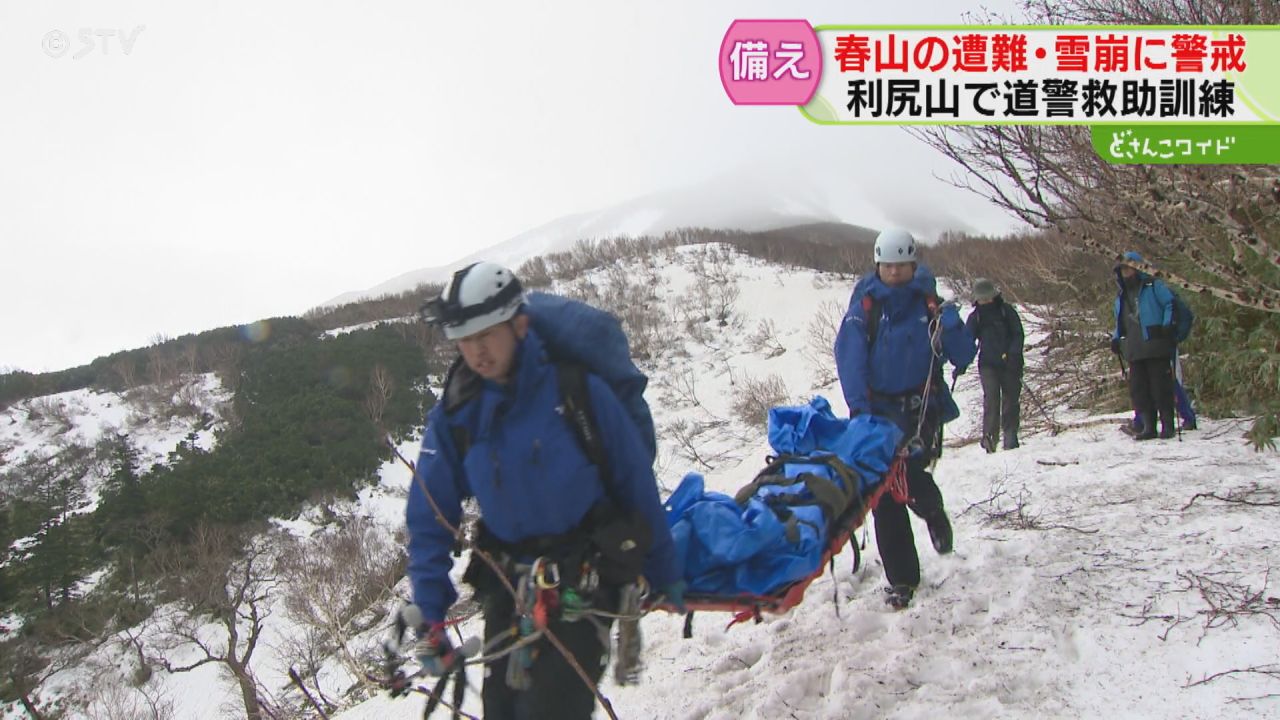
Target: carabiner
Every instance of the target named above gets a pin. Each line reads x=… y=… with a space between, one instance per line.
x=546 y=575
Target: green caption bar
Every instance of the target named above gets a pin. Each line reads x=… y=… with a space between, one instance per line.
x=1188 y=144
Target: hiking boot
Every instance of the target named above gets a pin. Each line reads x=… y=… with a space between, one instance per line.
x=1146 y=434
x=1188 y=425
x=1011 y=444
x=988 y=444
x=1167 y=432
x=940 y=533
x=899 y=597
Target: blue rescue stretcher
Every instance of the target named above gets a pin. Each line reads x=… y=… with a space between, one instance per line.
x=758 y=550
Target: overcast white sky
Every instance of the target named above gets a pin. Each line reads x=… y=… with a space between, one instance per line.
x=251 y=159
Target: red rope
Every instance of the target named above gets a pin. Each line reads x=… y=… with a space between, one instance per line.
x=896 y=480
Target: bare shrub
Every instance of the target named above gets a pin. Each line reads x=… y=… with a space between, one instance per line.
x=50 y=414
x=533 y=273
x=379 y=392
x=382 y=307
x=334 y=586
x=693 y=442
x=222 y=578
x=162 y=363
x=755 y=396
x=113 y=699
x=820 y=341
x=224 y=359
x=681 y=388
x=716 y=282
x=765 y=338
x=126 y=368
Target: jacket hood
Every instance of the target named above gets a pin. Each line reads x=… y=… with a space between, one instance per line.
x=1123 y=262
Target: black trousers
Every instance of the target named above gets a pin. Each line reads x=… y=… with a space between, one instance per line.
x=1001 y=392
x=557 y=691
x=1151 y=390
x=894 y=538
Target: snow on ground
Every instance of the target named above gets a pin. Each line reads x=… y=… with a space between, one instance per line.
x=1081 y=584
x=48 y=424
x=1085 y=581
x=86 y=416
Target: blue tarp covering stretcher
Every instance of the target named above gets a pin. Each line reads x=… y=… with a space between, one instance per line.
x=759 y=549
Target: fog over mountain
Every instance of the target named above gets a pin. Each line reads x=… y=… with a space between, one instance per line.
x=744 y=201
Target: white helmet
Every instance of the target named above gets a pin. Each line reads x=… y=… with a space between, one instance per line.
x=478 y=296
x=895 y=245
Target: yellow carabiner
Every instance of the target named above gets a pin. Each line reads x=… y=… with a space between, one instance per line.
x=546 y=575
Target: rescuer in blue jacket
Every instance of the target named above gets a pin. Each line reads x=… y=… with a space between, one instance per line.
x=500 y=434
x=1144 y=335
x=889 y=353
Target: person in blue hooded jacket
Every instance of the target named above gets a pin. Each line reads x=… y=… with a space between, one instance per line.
x=889 y=353
x=1144 y=336
x=500 y=434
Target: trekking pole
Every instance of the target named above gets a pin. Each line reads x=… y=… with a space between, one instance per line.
x=1124 y=372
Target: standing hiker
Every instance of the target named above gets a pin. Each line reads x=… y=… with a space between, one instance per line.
x=998 y=330
x=1144 y=336
x=889 y=353
x=565 y=509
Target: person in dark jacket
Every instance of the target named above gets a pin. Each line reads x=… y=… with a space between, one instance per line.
x=998 y=330
x=540 y=499
x=889 y=353
x=1144 y=336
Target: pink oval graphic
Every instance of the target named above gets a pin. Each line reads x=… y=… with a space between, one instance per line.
x=770 y=62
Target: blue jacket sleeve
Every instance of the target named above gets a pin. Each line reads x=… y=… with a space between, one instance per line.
x=429 y=541
x=957 y=342
x=633 y=480
x=1164 y=296
x=1115 y=334
x=851 y=359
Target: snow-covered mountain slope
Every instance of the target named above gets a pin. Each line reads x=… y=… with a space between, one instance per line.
x=728 y=202
x=1091 y=577
x=155 y=419
x=1083 y=585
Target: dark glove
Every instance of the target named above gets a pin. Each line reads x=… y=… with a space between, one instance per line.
x=434 y=650
x=674 y=594
x=1115 y=345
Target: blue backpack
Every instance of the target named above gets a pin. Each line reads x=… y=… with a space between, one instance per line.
x=576 y=333
x=1182 y=317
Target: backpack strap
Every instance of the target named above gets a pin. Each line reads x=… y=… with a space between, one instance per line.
x=871 y=314
x=461 y=384
x=871 y=311
x=575 y=397
x=1006 y=313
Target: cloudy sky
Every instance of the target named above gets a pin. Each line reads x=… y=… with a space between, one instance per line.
x=251 y=159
